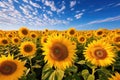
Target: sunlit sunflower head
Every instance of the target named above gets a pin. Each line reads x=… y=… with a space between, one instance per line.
x=115 y=77
x=9 y=35
x=27 y=48
x=116 y=39
x=23 y=32
x=71 y=31
x=99 y=53
x=81 y=39
x=4 y=41
x=33 y=35
x=10 y=68
x=99 y=32
x=43 y=39
x=89 y=34
x=59 y=52
x=16 y=40
x=117 y=31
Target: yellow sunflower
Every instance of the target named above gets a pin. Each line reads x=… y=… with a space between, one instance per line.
x=71 y=32
x=59 y=51
x=116 y=39
x=33 y=35
x=27 y=48
x=4 y=41
x=115 y=77
x=99 y=32
x=23 y=32
x=16 y=40
x=81 y=39
x=43 y=39
x=99 y=53
x=10 y=68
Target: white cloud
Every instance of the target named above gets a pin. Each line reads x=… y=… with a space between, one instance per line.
x=110 y=19
x=83 y=10
x=16 y=1
x=118 y=4
x=78 y=16
x=28 y=14
x=50 y=13
x=26 y=1
x=72 y=3
x=35 y=4
x=25 y=11
x=2 y=5
x=51 y=5
x=62 y=8
x=99 y=9
x=69 y=19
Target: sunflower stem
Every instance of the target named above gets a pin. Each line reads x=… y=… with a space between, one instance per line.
x=93 y=71
x=30 y=59
x=112 y=68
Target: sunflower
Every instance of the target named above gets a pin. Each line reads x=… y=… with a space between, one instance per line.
x=27 y=48
x=81 y=39
x=23 y=32
x=33 y=35
x=43 y=39
x=4 y=41
x=71 y=32
x=9 y=35
x=59 y=52
x=115 y=77
x=99 y=32
x=116 y=39
x=16 y=40
x=11 y=69
x=99 y=53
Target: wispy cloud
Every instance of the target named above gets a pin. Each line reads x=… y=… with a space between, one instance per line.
x=28 y=14
x=51 y=4
x=118 y=4
x=78 y=16
x=110 y=19
x=99 y=9
x=72 y=3
x=26 y=1
x=35 y=4
x=69 y=19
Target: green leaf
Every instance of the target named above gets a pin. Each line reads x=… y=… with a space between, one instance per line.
x=72 y=69
x=31 y=76
x=57 y=75
x=81 y=62
x=47 y=70
x=91 y=77
x=85 y=74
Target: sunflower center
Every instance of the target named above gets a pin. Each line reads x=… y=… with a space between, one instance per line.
x=4 y=41
x=99 y=33
x=28 y=48
x=8 y=67
x=72 y=32
x=33 y=35
x=45 y=40
x=59 y=52
x=118 y=39
x=10 y=35
x=25 y=32
x=100 y=53
x=16 y=40
x=82 y=39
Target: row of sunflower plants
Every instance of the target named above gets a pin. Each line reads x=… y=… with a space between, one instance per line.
x=60 y=55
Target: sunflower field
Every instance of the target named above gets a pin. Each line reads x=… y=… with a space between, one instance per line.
x=60 y=55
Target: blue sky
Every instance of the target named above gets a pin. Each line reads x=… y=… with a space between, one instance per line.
x=59 y=14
